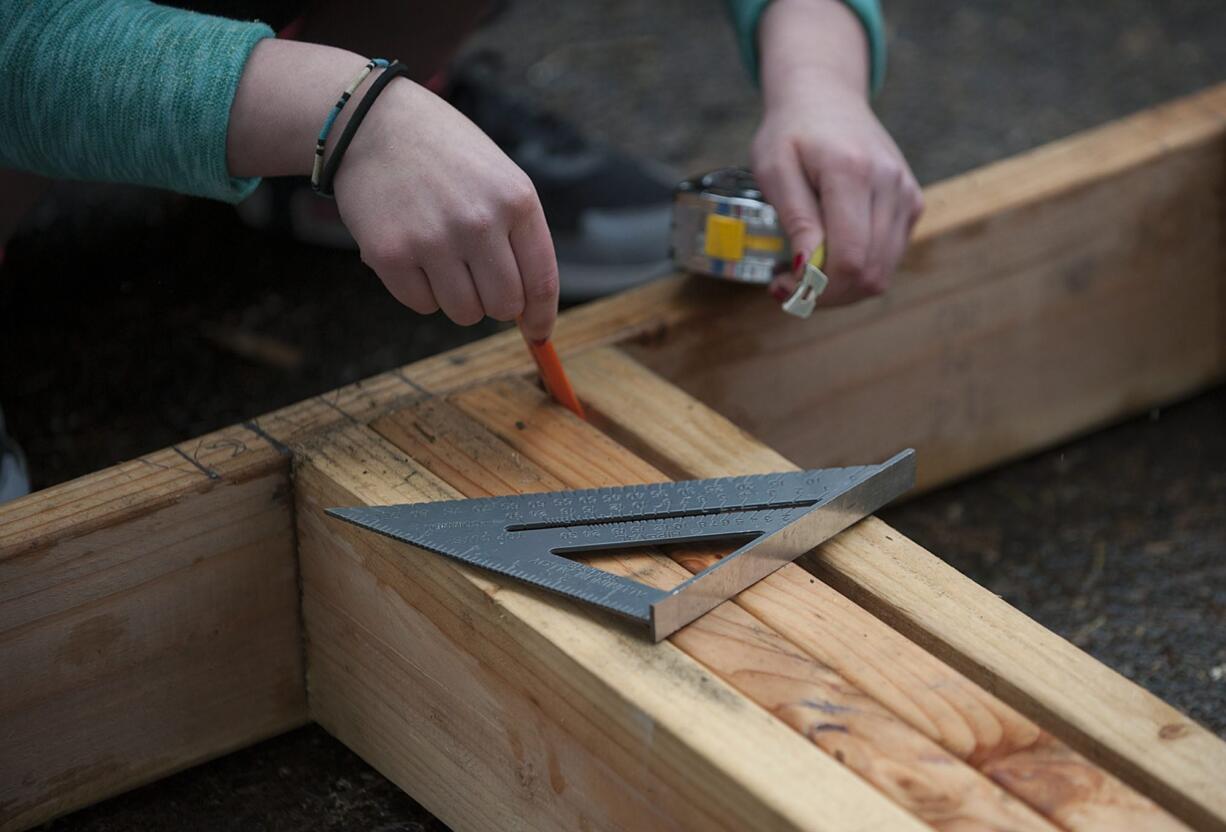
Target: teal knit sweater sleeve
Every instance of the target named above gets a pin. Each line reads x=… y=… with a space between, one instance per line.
x=745 y=15
x=121 y=91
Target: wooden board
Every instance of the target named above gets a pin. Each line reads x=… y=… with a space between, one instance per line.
x=497 y=707
x=137 y=650
x=1088 y=705
x=743 y=650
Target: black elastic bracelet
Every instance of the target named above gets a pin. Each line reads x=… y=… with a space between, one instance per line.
x=394 y=70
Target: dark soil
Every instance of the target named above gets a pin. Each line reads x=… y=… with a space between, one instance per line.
x=132 y=320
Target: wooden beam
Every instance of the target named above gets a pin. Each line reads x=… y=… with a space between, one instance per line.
x=1114 y=722
x=498 y=707
x=1043 y=296
x=140 y=649
x=743 y=650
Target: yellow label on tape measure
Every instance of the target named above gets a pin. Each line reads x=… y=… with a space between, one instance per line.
x=725 y=237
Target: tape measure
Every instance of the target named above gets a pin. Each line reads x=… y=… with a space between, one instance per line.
x=723 y=227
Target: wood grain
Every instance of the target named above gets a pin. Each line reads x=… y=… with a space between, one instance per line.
x=744 y=651
x=1120 y=726
x=141 y=649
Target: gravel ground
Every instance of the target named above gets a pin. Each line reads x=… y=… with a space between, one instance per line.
x=182 y=321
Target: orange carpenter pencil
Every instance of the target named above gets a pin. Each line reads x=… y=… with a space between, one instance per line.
x=553 y=376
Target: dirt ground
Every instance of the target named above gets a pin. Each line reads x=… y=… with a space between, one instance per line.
x=131 y=320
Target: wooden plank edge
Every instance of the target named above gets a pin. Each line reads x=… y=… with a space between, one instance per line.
x=1093 y=155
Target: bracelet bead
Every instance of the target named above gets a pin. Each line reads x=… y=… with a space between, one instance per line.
x=322 y=141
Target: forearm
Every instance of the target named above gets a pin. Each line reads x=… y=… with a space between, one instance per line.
x=747 y=17
x=286 y=90
x=806 y=45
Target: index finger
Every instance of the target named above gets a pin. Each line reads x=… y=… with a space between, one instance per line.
x=788 y=189
x=538 y=271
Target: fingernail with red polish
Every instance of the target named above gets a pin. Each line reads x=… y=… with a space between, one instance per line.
x=780 y=293
x=798 y=261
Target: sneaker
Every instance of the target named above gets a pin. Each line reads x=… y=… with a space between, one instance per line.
x=14 y=476
x=609 y=214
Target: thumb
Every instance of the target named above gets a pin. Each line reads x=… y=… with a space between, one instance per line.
x=786 y=187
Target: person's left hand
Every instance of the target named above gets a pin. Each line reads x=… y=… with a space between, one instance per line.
x=823 y=159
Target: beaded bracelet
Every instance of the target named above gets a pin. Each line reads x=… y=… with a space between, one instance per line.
x=322 y=141
x=394 y=70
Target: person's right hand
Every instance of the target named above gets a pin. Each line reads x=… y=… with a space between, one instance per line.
x=444 y=218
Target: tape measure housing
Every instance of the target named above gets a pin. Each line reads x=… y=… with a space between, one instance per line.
x=722 y=227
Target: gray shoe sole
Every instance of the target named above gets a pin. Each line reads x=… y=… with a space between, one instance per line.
x=613 y=250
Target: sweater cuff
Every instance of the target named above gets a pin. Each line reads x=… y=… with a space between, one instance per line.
x=747 y=14
x=227 y=49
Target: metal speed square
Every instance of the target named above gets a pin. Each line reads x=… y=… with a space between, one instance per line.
x=530 y=537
